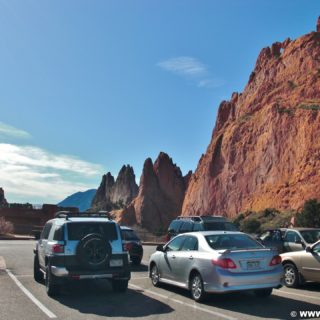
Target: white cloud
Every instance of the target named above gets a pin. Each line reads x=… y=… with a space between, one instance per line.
x=185 y=66
x=210 y=83
x=9 y=131
x=191 y=68
x=29 y=173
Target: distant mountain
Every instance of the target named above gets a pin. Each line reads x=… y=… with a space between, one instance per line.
x=82 y=200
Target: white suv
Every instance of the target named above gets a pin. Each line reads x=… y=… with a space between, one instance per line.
x=80 y=246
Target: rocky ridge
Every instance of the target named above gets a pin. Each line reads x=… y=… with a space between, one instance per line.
x=265 y=151
x=161 y=193
x=117 y=194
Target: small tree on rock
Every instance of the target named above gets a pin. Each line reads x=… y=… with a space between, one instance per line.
x=310 y=215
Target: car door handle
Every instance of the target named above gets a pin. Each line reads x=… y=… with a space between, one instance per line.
x=191 y=257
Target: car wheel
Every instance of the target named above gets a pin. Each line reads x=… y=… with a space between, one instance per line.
x=52 y=288
x=37 y=274
x=119 y=285
x=197 y=288
x=136 y=261
x=263 y=293
x=155 y=276
x=291 y=275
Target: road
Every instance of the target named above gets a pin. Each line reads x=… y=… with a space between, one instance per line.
x=22 y=298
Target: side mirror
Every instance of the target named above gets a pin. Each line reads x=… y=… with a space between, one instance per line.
x=308 y=249
x=160 y=248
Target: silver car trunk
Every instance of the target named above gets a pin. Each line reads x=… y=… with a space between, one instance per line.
x=249 y=260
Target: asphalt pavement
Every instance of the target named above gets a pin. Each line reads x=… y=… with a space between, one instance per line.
x=22 y=298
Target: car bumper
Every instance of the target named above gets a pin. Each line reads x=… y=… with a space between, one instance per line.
x=62 y=272
x=227 y=281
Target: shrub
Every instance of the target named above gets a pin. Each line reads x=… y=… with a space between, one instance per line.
x=5 y=226
x=251 y=226
x=310 y=214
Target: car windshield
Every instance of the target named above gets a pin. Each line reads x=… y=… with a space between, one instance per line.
x=78 y=230
x=219 y=225
x=311 y=236
x=232 y=241
x=129 y=235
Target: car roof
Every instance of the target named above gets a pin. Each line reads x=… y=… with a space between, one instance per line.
x=209 y=233
x=84 y=219
x=303 y=229
x=125 y=228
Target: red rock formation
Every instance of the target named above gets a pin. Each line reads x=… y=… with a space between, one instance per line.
x=161 y=193
x=265 y=148
x=115 y=194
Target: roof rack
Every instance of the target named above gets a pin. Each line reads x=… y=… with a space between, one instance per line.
x=69 y=214
x=200 y=218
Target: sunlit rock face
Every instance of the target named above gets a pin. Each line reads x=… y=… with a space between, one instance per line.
x=265 y=147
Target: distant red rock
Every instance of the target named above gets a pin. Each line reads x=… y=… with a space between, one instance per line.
x=117 y=194
x=3 y=201
x=161 y=193
x=265 y=148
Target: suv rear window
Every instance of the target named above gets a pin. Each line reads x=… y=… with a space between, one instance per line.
x=129 y=235
x=78 y=230
x=214 y=226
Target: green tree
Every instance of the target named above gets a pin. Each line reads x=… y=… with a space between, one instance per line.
x=251 y=226
x=310 y=214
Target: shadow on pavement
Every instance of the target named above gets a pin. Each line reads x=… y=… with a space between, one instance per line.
x=140 y=268
x=97 y=297
x=277 y=307
x=310 y=286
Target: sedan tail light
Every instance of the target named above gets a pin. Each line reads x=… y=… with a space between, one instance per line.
x=57 y=248
x=225 y=263
x=275 y=260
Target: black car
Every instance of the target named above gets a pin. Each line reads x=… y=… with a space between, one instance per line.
x=132 y=244
x=199 y=223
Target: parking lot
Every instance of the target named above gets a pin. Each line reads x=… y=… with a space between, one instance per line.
x=23 y=298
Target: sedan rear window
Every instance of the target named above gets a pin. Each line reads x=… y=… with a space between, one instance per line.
x=311 y=236
x=78 y=230
x=232 y=241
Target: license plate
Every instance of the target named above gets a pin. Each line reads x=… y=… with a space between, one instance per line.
x=116 y=263
x=253 y=265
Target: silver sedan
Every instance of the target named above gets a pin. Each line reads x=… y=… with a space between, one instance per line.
x=216 y=262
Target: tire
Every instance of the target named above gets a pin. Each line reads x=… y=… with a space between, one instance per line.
x=119 y=285
x=155 y=276
x=263 y=293
x=291 y=275
x=37 y=274
x=94 y=251
x=136 y=261
x=197 y=288
x=51 y=287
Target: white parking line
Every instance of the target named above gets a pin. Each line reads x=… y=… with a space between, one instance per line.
x=215 y=313
x=31 y=296
x=295 y=294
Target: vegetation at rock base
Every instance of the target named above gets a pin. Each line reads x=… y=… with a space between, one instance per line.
x=255 y=222
x=6 y=227
x=310 y=214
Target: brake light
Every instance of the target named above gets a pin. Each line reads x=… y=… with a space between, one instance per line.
x=167 y=237
x=127 y=246
x=275 y=260
x=57 y=248
x=225 y=263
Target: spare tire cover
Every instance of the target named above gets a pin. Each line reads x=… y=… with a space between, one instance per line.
x=94 y=251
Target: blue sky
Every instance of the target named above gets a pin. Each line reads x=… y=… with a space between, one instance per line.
x=87 y=86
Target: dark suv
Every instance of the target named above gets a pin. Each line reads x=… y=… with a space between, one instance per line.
x=132 y=244
x=80 y=246
x=199 y=223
